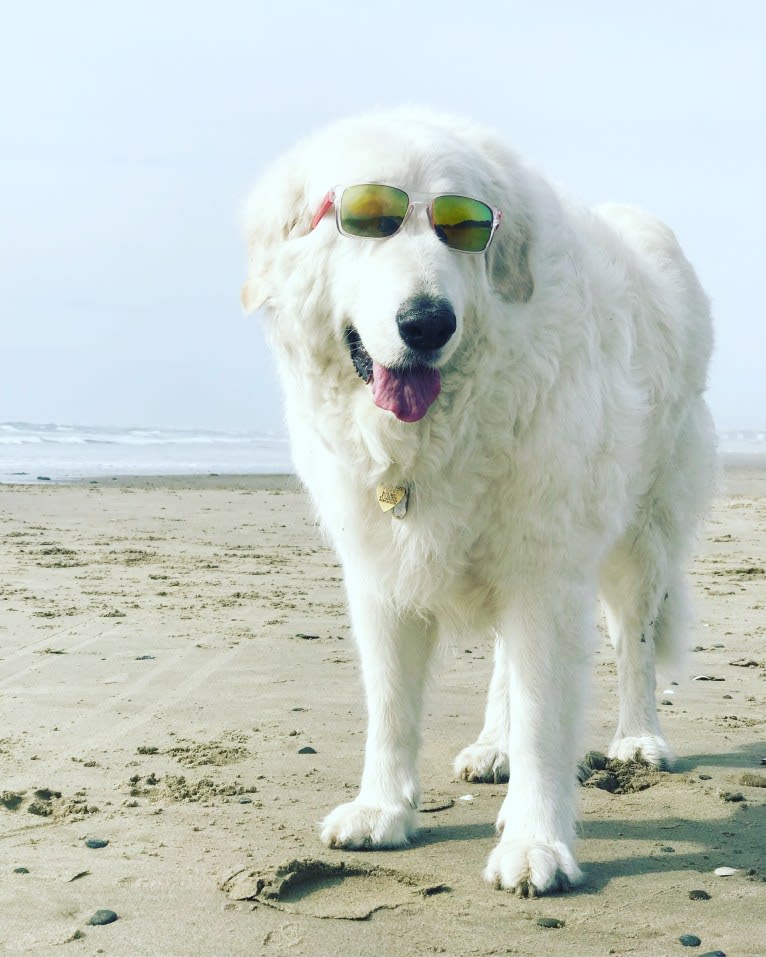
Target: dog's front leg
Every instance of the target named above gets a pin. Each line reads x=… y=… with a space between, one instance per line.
x=395 y=647
x=547 y=639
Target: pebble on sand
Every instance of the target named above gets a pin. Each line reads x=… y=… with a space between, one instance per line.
x=725 y=871
x=103 y=917
x=699 y=896
x=95 y=843
x=307 y=750
x=690 y=940
x=550 y=922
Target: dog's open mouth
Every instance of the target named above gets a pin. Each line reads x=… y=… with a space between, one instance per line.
x=408 y=391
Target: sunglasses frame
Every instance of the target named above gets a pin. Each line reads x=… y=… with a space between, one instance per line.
x=334 y=196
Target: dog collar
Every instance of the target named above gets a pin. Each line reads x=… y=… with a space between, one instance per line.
x=393 y=498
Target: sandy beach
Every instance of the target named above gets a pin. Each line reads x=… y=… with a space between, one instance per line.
x=180 y=690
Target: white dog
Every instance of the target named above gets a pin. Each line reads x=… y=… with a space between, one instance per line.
x=495 y=399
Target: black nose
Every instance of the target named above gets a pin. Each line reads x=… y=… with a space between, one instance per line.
x=425 y=322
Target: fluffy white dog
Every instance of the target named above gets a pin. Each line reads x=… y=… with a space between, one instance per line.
x=492 y=438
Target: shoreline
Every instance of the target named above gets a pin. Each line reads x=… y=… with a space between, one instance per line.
x=749 y=464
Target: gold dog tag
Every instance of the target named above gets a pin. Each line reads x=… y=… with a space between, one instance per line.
x=393 y=499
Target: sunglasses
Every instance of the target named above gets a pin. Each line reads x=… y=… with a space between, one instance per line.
x=374 y=211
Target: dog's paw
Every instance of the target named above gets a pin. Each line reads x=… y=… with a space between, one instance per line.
x=358 y=826
x=650 y=747
x=530 y=868
x=482 y=762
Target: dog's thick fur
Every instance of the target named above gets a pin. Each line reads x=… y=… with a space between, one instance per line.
x=570 y=453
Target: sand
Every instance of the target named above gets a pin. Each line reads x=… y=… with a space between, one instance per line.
x=178 y=679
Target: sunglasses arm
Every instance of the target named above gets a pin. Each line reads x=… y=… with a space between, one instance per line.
x=326 y=205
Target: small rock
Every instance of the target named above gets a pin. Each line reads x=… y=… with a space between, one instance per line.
x=21 y=870
x=690 y=940
x=713 y=953
x=725 y=871
x=666 y=701
x=307 y=750
x=95 y=843
x=733 y=798
x=550 y=922
x=102 y=917
x=668 y=850
x=245 y=800
x=699 y=896
x=706 y=777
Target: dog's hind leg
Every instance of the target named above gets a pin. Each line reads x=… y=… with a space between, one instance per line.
x=642 y=607
x=487 y=758
x=395 y=647
x=644 y=590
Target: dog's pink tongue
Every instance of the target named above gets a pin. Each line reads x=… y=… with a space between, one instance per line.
x=408 y=393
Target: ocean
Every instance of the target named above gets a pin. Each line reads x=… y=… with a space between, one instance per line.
x=61 y=453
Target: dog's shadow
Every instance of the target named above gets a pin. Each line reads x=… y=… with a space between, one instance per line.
x=745 y=757
x=727 y=840
x=735 y=839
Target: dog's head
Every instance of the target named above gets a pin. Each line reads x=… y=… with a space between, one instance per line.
x=396 y=309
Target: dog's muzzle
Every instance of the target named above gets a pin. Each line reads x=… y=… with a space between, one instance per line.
x=408 y=389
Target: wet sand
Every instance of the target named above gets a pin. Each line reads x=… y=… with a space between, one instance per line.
x=178 y=679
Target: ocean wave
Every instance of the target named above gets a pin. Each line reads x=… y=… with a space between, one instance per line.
x=64 y=452
x=24 y=433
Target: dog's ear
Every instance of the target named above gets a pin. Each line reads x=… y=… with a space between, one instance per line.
x=276 y=211
x=508 y=266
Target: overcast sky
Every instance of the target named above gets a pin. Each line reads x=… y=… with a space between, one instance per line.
x=130 y=132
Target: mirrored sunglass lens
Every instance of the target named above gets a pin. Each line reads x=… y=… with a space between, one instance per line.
x=373 y=211
x=462 y=223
